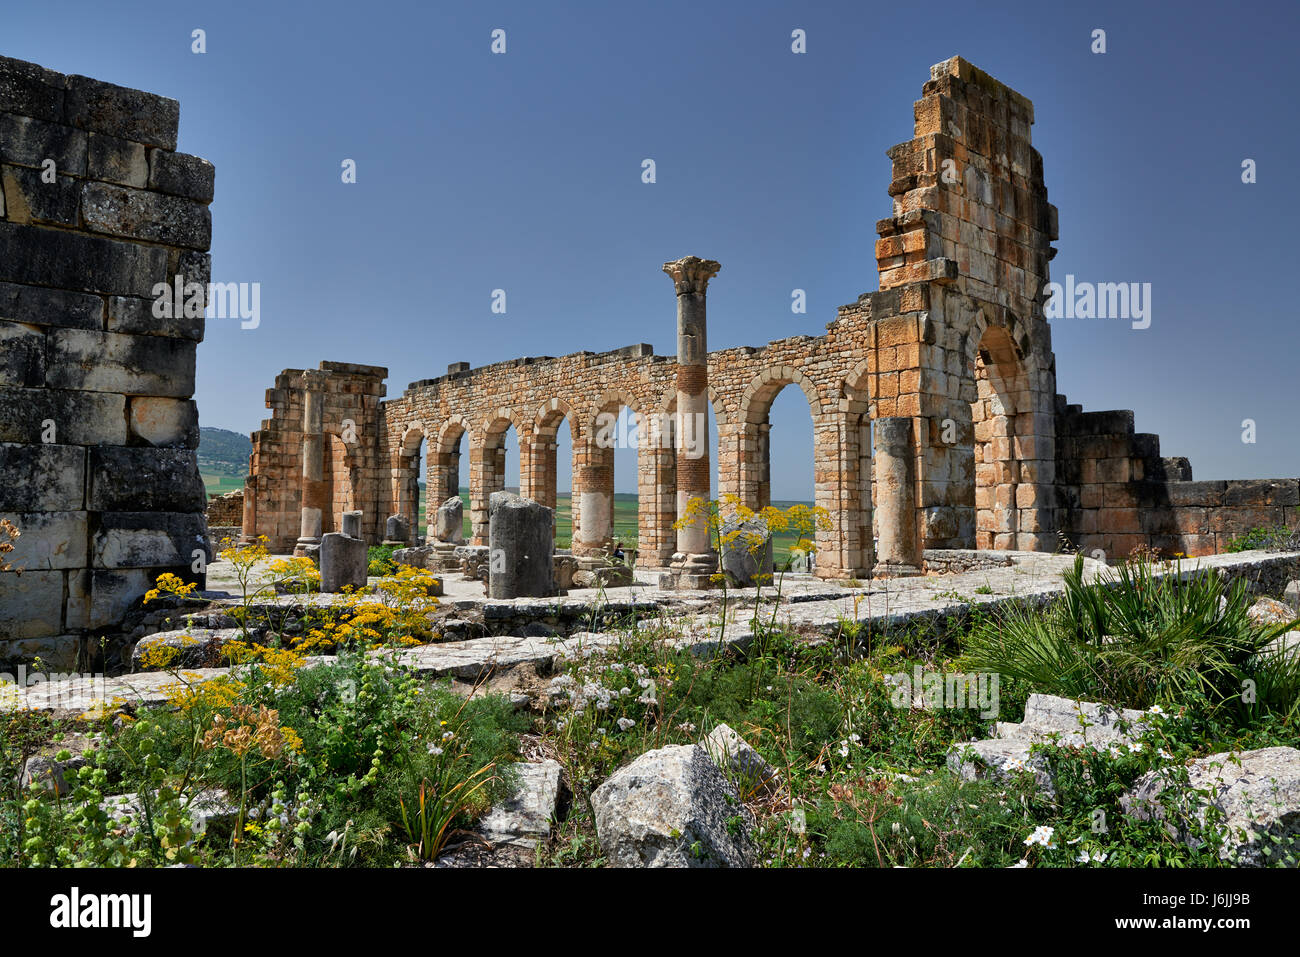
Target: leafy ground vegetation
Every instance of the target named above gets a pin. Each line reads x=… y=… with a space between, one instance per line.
x=359 y=763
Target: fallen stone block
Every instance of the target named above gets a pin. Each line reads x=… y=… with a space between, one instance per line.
x=747 y=553
x=189 y=648
x=1257 y=794
x=672 y=807
x=1270 y=611
x=344 y=562
x=449 y=521
x=46 y=770
x=525 y=817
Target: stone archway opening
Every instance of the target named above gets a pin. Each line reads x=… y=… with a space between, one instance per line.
x=755 y=456
x=340 y=475
x=547 y=475
x=602 y=512
x=498 y=448
x=999 y=414
x=408 y=466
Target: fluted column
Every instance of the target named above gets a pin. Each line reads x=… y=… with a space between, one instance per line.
x=691 y=280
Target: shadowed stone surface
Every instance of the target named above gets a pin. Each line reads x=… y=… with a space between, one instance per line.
x=747 y=552
x=344 y=561
x=521 y=544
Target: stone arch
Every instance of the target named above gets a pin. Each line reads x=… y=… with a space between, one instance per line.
x=593 y=474
x=406 y=474
x=755 y=486
x=539 y=467
x=487 y=466
x=342 y=476
x=443 y=470
x=1001 y=404
x=763 y=388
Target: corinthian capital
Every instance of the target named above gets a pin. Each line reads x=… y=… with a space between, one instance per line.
x=692 y=274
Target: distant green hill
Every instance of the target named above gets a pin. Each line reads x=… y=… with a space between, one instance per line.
x=222 y=452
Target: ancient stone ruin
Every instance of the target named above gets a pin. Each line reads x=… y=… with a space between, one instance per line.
x=97 y=426
x=937 y=420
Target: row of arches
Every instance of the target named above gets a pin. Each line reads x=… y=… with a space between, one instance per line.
x=986 y=433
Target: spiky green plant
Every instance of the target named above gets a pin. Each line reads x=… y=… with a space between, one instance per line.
x=1143 y=635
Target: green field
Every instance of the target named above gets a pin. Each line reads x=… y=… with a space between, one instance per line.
x=216 y=484
x=625 y=521
x=625 y=517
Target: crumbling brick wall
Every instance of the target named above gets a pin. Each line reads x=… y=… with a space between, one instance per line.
x=353 y=467
x=1118 y=493
x=97 y=426
x=226 y=510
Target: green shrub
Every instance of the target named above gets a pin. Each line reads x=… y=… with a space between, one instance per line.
x=381 y=560
x=1136 y=638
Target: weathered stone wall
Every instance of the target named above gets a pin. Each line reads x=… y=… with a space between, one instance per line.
x=97 y=426
x=1118 y=493
x=352 y=435
x=228 y=509
x=955 y=340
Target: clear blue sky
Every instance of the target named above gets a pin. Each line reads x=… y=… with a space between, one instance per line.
x=522 y=172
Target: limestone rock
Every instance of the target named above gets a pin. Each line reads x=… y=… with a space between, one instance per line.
x=418 y=557
x=1257 y=793
x=1291 y=595
x=524 y=818
x=397 y=529
x=45 y=770
x=1048 y=718
x=521 y=542
x=563 y=568
x=194 y=647
x=1270 y=611
x=607 y=576
x=746 y=552
x=206 y=808
x=473 y=561
x=449 y=521
x=750 y=771
x=343 y=561
x=672 y=807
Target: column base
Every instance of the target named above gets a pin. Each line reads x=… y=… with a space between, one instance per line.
x=306 y=546
x=893 y=570
x=691 y=571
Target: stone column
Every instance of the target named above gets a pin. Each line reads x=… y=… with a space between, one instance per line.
x=313 y=464
x=248 y=529
x=895 y=509
x=691 y=279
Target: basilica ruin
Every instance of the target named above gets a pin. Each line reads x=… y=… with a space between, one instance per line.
x=937 y=420
x=936 y=415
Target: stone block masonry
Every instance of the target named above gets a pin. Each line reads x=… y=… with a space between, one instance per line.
x=98 y=430
x=946 y=372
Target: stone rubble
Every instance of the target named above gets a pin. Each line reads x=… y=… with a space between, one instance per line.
x=673 y=807
x=1257 y=794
